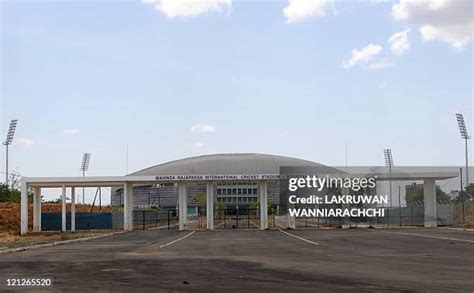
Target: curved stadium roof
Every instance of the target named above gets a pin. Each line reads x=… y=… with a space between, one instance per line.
x=219 y=164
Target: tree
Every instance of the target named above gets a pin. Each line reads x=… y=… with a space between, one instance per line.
x=219 y=206
x=11 y=193
x=200 y=200
x=14 y=179
x=255 y=205
x=465 y=195
x=415 y=193
x=470 y=190
x=8 y=194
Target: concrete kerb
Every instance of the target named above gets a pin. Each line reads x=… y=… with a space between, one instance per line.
x=457 y=229
x=57 y=243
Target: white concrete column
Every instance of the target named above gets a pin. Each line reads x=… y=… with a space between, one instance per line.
x=37 y=209
x=291 y=221
x=210 y=205
x=128 y=206
x=263 y=205
x=429 y=198
x=182 y=206
x=73 y=209
x=24 y=207
x=63 y=209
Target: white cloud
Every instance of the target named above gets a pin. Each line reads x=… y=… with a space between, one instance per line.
x=367 y=57
x=370 y=57
x=26 y=142
x=187 y=8
x=399 y=42
x=377 y=1
x=71 y=131
x=197 y=145
x=458 y=39
x=301 y=10
x=203 y=128
x=379 y=63
x=449 y=21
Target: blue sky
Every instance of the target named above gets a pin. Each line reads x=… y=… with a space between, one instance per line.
x=98 y=76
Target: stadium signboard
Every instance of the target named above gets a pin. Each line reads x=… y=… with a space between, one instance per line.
x=223 y=177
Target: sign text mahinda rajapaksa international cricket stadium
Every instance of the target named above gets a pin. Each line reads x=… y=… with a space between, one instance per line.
x=219 y=177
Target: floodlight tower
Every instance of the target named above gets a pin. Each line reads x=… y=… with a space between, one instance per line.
x=389 y=163
x=465 y=136
x=8 y=141
x=86 y=158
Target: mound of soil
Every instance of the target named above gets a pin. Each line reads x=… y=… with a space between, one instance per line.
x=10 y=213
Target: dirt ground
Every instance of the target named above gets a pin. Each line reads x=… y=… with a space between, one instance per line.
x=13 y=240
x=468 y=215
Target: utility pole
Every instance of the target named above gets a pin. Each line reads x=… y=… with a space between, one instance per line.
x=462 y=196
x=126 y=161
x=346 y=156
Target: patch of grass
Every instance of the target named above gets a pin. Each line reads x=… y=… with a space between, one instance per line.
x=65 y=236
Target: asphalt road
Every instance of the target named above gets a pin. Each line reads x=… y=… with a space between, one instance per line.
x=237 y=260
